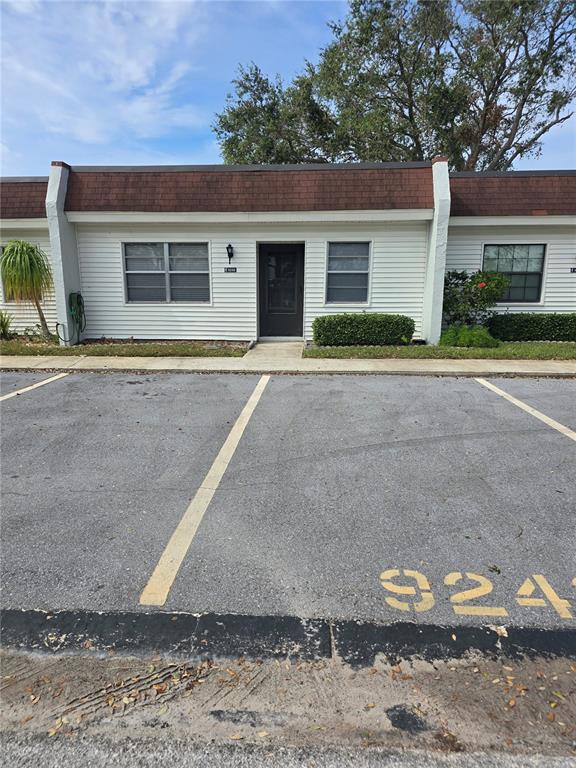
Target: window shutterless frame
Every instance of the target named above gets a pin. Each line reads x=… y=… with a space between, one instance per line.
x=167 y=272
x=527 y=273
x=345 y=303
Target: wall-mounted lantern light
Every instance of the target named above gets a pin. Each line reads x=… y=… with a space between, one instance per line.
x=230 y=252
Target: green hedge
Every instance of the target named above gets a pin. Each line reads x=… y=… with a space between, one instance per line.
x=467 y=336
x=362 y=329
x=534 y=326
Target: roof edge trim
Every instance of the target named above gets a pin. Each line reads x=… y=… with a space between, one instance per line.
x=247 y=168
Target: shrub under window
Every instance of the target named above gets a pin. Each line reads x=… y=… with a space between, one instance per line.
x=365 y=328
x=534 y=326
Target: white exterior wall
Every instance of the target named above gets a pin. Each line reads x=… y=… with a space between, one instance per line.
x=398 y=256
x=398 y=268
x=466 y=246
x=24 y=315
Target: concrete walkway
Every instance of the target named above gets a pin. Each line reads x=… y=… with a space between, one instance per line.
x=286 y=357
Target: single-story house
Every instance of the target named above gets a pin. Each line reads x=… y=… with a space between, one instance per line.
x=245 y=252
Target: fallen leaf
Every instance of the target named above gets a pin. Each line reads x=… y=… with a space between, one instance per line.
x=262 y=734
x=551 y=716
x=512 y=703
x=236 y=736
x=500 y=631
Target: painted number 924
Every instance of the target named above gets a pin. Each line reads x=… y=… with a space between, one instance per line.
x=410 y=590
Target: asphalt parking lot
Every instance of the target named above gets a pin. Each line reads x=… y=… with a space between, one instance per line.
x=382 y=498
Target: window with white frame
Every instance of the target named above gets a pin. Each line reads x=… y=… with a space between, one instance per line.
x=167 y=272
x=522 y=264
x=347 y=273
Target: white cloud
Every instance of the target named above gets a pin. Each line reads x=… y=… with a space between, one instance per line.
x=98 y=72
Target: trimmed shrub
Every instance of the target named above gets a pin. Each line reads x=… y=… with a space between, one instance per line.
x=467 y=336
x=366 y=328
x=534 y=326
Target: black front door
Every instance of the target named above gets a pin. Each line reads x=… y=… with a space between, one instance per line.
x=281 y=275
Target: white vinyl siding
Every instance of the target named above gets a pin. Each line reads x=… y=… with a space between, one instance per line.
x=24 y=315
x=466 y=247
x=398 y=266
x=397 y=271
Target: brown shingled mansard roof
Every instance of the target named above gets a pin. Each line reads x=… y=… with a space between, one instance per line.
x=226 y=188
x=23 y=197
x=321 y=187
x=513 y=193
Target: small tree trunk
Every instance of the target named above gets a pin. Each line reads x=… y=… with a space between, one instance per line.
x=43 y=323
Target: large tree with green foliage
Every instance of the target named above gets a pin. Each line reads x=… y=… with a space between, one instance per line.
x=481 y=81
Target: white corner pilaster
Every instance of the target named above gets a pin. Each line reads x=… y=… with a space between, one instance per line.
x=63 y=249
x=436 y=264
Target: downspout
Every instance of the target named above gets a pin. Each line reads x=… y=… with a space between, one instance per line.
x=436 y=264
x=64 y=253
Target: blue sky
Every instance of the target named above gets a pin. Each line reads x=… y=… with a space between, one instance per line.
x=138 y=82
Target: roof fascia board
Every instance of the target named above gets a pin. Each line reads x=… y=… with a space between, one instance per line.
x=508 y=174
x=511 y=221
x=249 y=168
x=234 y=217
x=24 y=223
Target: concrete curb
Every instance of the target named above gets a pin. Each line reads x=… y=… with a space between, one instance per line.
x=209 y=635
x=396 y=367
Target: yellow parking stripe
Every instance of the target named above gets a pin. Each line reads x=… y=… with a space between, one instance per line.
x=566 y=431
x=160 y=583
x=33 y=386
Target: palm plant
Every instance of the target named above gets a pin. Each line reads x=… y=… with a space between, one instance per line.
x=26 y=275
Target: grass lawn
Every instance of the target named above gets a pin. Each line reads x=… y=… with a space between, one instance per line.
x=507 y=350
x=125 y=348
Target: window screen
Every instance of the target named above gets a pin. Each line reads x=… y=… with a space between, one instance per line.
x=189 y=278
x=522 y=264
x=348 y=269
x=167 y=272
